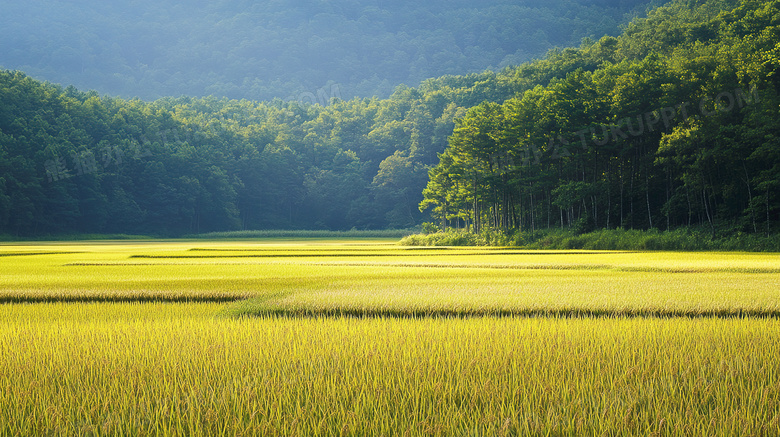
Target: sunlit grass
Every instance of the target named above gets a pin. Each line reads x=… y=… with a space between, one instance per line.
x=538 y=292
x=342 y=277
x=367 y=338
x=176 y=373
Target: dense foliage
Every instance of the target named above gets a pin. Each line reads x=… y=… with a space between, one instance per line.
x=78 y=162
x=286 y=49
x=677 y=125
x=610 y=134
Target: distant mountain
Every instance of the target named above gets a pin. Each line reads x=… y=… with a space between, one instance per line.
x=293 y=50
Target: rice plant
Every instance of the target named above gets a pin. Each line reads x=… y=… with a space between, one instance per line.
x=334 y=337
x=71 y=369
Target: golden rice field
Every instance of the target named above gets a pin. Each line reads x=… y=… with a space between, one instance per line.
x=327 y=337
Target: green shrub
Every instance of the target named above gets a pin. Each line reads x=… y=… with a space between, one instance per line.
x=685 y=239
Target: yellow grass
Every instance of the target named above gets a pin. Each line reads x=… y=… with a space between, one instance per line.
x=172 y=369
x=339 y=277
x=303 y=365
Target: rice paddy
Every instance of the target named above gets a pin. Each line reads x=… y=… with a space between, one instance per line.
x=358 y=337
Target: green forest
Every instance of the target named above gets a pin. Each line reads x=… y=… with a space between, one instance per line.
x=261 y=50
x=676 y=126
x=672 y=123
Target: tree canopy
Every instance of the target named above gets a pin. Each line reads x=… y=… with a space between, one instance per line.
x=671 y=124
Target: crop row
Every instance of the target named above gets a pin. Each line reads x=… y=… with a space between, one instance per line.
x=69 y=369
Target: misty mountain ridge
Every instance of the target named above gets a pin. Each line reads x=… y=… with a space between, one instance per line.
x=273 y=49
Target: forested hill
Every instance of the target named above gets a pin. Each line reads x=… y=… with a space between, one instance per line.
x=678 y=127
x=267 y=49
x=74 y=161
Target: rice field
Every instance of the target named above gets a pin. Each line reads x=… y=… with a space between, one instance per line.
x=358 y=337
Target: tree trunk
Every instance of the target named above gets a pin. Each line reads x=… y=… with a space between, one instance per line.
x=561 y=209
x=549 y=209
x=707 y=211
x=622 y=189
x=533 y=223
x=750 y=198
x=647 y=198
x=690 y=208
x=767 y=212
x=476 y=206
x=609 y=196
x=631 y=199
x=668 y=189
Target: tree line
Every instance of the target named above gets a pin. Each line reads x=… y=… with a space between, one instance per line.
x=79 y=162
x=676 y=126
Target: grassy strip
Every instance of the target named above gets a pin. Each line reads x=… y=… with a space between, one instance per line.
x=75 y=237
x=317 y=255
x=6 y=254
x=117 y=298
x=574 y=267
x=227 y=235
x=302 y=234
x=613 y=239
x=266 y=307
x=317 y=249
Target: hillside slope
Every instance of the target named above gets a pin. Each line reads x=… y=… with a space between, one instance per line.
x=266 y=49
